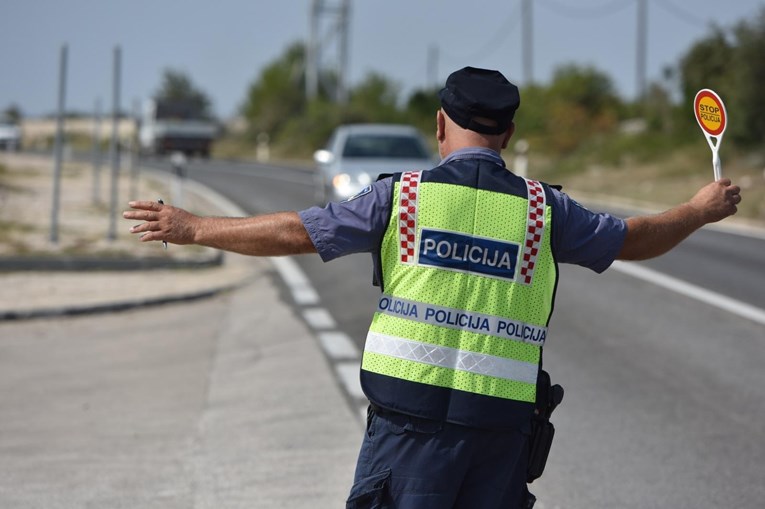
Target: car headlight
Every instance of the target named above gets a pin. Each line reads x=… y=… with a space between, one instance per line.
x=365 y=179
x=341 y=180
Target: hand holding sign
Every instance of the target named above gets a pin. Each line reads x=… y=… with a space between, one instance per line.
x=712 y=118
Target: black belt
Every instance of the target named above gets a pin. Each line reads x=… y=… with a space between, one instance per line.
x=383 y=411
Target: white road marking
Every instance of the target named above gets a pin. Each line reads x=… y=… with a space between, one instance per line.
x=337 y=345
x=734 y=306
x=349 y=376
x=293 y=277
x=319 y=318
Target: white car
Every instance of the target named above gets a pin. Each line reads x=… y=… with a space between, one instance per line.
x=356 y=154
x=10 y=137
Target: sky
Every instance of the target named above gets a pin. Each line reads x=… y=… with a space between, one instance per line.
x=223 y=45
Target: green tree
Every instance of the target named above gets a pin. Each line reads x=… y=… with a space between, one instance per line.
x=731 y=62
x=581 y=102
x=12 y=114
x=177 y=87
x=531 y=117
x=374 y=100
x=707 y=64
x=278 y=95
x=585 y=87
x=421 y=108
x=748 y=100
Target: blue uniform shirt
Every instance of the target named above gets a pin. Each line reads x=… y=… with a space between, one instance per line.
x=357 y=225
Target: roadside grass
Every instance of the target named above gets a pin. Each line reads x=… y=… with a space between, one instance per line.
x=12 y=235
x=236 y=147
x=654 y=171
x=650 y=171
x=83 y=224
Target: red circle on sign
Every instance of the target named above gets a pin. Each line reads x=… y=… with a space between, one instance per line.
x=709 y=94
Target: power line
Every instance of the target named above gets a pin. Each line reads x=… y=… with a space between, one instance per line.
x=682 y=13
x=590 y=11
x=506 y=28
x=641 y=49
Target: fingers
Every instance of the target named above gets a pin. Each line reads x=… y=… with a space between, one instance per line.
x=733 y=197
x=145 y=210
x=733 y=193
x=149 y=231
x=150 y=236
x=140 y=215
x=149 y=226
x=730 y=191
x=145 y=205
x=148 y=212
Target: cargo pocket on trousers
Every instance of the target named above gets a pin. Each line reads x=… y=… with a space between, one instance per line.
x=369 y=492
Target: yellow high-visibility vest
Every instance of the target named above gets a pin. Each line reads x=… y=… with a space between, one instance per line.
x=468 y=280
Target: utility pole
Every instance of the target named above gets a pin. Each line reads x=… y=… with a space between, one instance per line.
x=642 y=41
x=527 y=42
x=343 y=25
x=114 y=147
x=59 y=147
x=134 y=155
x=432 y=67
x=312 y=53
x=328 y=24
x=96 y=157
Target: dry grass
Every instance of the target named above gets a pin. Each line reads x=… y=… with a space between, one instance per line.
x=665 y=183
x=26 y=203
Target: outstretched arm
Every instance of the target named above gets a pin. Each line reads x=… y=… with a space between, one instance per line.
x=651 y=236
x=281 y=233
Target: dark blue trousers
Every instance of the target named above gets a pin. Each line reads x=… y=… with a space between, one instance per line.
x=411 y=463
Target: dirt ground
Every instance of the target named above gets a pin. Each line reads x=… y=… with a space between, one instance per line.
x=84 y=214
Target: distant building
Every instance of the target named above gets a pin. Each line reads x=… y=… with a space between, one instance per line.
x=41 y=131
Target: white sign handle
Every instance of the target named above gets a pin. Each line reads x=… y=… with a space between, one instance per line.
x=716 y=161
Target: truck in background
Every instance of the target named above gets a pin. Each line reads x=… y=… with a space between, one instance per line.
x=175 y=126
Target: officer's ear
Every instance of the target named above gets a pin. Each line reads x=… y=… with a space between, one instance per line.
x=508 y=134
x=440 y=125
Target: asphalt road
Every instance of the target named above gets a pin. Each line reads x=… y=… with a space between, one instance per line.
x=175 y=406
x=664 y=404
x=102 y=407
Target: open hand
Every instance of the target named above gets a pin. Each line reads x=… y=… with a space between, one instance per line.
x=162 y=222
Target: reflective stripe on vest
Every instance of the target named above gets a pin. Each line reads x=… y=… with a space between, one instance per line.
x=469 y=279
x=445 y=357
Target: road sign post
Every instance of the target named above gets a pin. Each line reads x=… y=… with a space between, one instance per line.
x=712 y=118
x=59 y=146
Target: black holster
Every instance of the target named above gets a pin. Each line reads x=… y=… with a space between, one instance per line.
x=542 y=430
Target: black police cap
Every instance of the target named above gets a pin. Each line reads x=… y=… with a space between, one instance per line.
x=472 y=92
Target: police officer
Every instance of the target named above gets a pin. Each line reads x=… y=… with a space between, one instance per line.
x=466 y=258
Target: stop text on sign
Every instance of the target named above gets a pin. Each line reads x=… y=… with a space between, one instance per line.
x=710 y=112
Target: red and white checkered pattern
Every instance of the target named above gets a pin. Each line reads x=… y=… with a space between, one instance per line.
x=407 y=215
x=535 y=229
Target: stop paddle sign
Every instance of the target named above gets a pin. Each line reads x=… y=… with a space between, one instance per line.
x=712 y=118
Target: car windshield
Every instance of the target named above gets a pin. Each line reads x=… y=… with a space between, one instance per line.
x=388 y=146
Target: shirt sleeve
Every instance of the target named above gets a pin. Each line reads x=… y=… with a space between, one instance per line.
x=356 y=225
x=583 y=237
